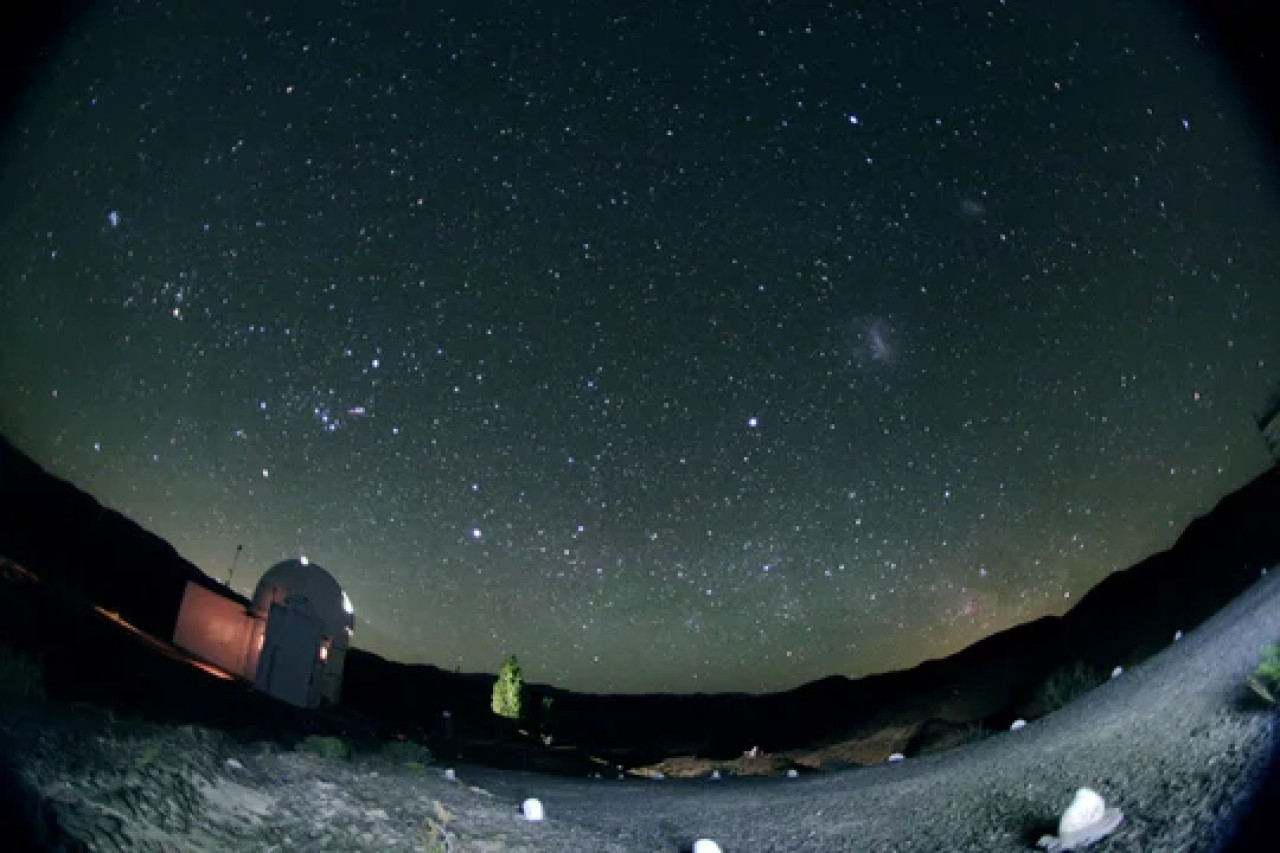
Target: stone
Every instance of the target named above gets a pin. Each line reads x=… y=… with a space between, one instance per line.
x=532 y=809
x=1085 y=810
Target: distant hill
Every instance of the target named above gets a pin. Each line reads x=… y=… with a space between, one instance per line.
x=65 y=536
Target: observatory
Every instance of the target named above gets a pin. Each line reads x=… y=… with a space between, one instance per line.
x=291 y=640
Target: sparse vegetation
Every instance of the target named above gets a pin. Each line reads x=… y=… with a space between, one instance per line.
x=1066 y=684
x=507 y=690
x=148 y=756
x=539 y=716
x=438 y=838
x=21 y=676
x=325 y=747
x=975 y=731
x=1265 y=679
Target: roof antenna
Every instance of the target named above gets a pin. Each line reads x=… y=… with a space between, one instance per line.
x=234 y=560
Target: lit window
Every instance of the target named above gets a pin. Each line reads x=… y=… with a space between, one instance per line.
x=324 y=649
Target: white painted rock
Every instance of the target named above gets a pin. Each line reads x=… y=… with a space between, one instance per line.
x=449 y=774
x=896 y=757
x=1018 y=724
x=1085 y=821
x=705 y=845
x=1085 y=810
x=532 y=809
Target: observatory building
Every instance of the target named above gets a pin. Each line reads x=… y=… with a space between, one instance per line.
x=291 y=640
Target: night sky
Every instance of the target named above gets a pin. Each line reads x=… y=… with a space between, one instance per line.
x=698 y=346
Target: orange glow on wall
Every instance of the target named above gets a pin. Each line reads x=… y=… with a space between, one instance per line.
x=214 y=628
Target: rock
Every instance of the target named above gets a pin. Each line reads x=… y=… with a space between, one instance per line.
x=1085 y=821
x=1085 y=810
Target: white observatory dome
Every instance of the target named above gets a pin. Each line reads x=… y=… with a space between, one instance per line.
x=303 y=580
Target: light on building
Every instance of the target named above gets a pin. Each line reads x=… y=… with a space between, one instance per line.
x=346 y=603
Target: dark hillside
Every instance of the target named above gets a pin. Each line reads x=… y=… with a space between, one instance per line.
x=65 y=536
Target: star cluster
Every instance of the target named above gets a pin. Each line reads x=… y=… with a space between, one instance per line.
x=710 y=347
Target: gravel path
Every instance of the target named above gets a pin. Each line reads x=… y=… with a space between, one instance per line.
x=1176 y=744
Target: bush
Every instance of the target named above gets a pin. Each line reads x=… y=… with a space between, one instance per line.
x=407 y=752
x=1265 y=679
x=325 y=747
x=1066 y=684
x=21 y=676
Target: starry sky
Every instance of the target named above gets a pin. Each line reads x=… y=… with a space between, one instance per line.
x=673 y=347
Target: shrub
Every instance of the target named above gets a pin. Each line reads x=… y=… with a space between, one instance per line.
x=507 y=690
x=1265 y=679
x=1066 y=684
x=325 y=747
x=407 y=752
x=21 y=676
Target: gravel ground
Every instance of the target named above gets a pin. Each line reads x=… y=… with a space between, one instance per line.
x=1176 y=744
x=129 y=786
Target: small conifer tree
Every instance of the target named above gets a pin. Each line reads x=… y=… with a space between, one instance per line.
x=507 y=690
